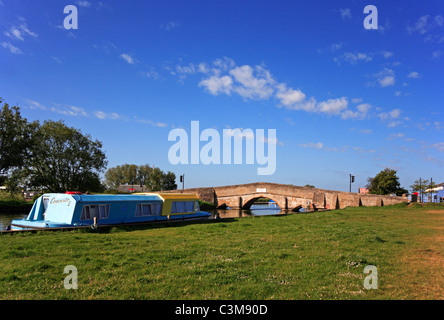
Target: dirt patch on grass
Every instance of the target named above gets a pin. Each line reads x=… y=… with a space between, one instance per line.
x=426 y=260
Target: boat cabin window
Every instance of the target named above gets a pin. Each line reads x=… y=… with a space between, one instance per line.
x=100 y=211
x=182 y=206
x=45 y=206
x=148 y=209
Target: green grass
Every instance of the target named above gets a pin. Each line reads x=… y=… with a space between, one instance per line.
x=297 y=256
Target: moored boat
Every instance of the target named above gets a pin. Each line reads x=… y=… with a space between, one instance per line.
x=73 y=209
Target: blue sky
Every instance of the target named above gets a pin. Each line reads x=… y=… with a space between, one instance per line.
x=342 y=99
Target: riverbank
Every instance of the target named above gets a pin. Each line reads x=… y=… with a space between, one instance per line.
x=320 y=255
x=15 y=206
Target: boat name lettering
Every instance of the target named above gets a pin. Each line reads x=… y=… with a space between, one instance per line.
x=65 y=200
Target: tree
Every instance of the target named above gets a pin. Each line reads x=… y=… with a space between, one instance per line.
x=419 y=187
x=62 y=158
x=121 y=174
x=153 y=178
x=385 y=182
x=169 y=181
x=15 y=138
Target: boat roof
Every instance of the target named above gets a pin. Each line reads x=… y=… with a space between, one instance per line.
x=174 y=196
x=109 y=197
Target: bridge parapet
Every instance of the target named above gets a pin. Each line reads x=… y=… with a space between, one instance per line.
x=288 y=196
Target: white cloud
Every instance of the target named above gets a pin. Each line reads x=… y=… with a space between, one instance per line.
x=439 y=20
x=386 y=77
x=387 y=54
x=335 y=47
x=394 y=124
x=423 y=25
x=437 y=54
x=413 y=75
x=394 y=114
x=152 y=123
x=56 y=59
x=288 y=96
x=366 y=131
x=216 y=85
x=305 y=105
x=387 y=81
x=354 y=57
x=169 y=25
x=361 y=112
x=318 y=145
x=420 y=26
x=84 y=4
x=128 y=58
x=102 y=115
x=223 y=65
x=222 y=76
x=439 y=146
x=254 y=83
x=36 y=105
x=70 y=110
x=396 y=136
x=333 y=106
x=19 y=33
x=11 y=48
x=345 y=13
x=151 y=73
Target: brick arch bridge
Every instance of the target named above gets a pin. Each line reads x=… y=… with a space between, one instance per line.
x=288 y=197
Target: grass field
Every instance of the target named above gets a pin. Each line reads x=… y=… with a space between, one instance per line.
x=319 y=255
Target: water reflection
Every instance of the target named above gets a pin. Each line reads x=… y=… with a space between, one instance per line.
x=257 y=209
x=6 y=218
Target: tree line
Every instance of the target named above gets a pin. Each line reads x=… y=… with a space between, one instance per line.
x=54 y=157
x=387 y=182
x=153 y=179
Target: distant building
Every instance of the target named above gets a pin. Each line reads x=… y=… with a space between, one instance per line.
x=363 y=190
x=434 y=194
x=438 y=187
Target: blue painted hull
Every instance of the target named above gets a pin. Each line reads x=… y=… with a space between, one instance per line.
x=23 y=224
x=59 y=211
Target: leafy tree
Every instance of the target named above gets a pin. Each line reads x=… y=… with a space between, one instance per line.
x=153 y=178
x=15 y=137
x=309 y=186
x=169 y=181
x=143 y=173
x=62 y=158
x=113 y=177
x=122 y=174
x=385 y=182
x=419 y=187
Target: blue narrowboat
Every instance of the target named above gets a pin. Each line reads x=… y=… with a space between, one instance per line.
x=72 y=209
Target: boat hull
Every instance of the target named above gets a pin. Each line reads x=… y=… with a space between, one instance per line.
x=62 y=211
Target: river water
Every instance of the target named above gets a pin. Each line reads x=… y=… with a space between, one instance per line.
x=257 y=209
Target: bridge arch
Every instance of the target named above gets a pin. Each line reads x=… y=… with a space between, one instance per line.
x=248 y=200
x=247 y=205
